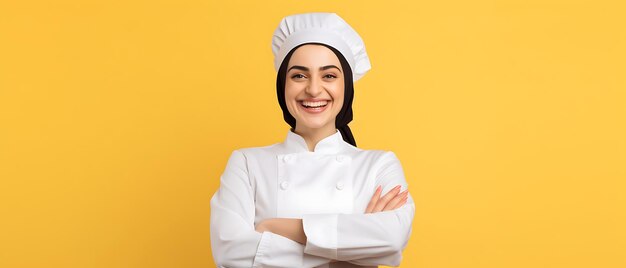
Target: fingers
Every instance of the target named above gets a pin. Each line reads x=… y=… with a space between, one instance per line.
x=396 y=201
x=383 y=201
x=402 y=202
x=372 y=203
x=390 y=201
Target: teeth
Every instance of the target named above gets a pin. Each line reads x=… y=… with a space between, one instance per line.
x=314 y=103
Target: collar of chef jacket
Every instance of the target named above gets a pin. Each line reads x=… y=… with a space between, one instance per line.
x=332 y=144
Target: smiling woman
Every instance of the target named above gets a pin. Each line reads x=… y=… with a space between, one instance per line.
x=314 y=200
x=314 y=90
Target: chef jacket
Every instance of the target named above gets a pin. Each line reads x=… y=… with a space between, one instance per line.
x=329 y=189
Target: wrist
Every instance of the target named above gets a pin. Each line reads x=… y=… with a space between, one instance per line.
x=264 y=226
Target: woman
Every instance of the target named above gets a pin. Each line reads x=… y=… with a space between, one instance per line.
x=313 y=200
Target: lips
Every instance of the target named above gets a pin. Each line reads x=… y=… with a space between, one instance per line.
x=314 y=104
x=313 y=107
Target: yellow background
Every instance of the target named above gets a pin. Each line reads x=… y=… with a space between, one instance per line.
x=117 y=118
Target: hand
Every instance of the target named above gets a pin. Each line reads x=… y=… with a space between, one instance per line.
x=390 y=201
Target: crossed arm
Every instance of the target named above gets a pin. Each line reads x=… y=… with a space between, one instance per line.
x=375 y=237
x=293 y=229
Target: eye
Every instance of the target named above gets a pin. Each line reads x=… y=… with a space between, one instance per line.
x=298 y=76
x=330 y=76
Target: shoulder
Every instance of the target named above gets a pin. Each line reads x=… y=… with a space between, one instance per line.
x=258 y=151
x=376 y=159
x=378 y=155
x=243 y=159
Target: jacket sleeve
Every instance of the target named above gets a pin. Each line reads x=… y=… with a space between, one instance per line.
x=234 y=240
x=364 y=239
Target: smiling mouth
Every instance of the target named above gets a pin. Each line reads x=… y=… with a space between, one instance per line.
x=314 y=104
x=314 y=107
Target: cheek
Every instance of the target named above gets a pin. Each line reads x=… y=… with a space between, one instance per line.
x=290 y=92
x=292 y=89
x=338 y=95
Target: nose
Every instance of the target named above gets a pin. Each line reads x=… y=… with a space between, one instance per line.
x=314 y=87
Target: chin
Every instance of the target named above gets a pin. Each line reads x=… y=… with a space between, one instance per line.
x=314 y=124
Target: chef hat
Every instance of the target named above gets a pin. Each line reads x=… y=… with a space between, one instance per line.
x=325 y=28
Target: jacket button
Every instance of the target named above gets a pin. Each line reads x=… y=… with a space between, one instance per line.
x=339 y=185
x=284 y=185
x=340 y=158
x=288 y=158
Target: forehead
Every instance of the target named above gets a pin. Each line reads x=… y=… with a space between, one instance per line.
x=312 y=55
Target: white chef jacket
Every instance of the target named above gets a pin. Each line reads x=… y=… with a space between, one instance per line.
x=329 y=189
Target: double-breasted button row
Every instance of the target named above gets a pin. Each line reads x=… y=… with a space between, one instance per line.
x=289 y=158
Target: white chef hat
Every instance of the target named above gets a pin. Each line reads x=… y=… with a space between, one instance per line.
x=325 y=28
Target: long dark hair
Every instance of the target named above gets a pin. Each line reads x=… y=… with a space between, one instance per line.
x=345 y=115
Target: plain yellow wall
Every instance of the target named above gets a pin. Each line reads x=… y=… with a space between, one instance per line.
x=117 y=118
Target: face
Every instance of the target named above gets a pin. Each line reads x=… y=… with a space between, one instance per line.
x=314 y=88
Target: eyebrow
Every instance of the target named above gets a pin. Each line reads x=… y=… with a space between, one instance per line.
x=323 y=68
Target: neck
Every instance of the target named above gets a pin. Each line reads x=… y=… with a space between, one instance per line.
x=313 y=135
